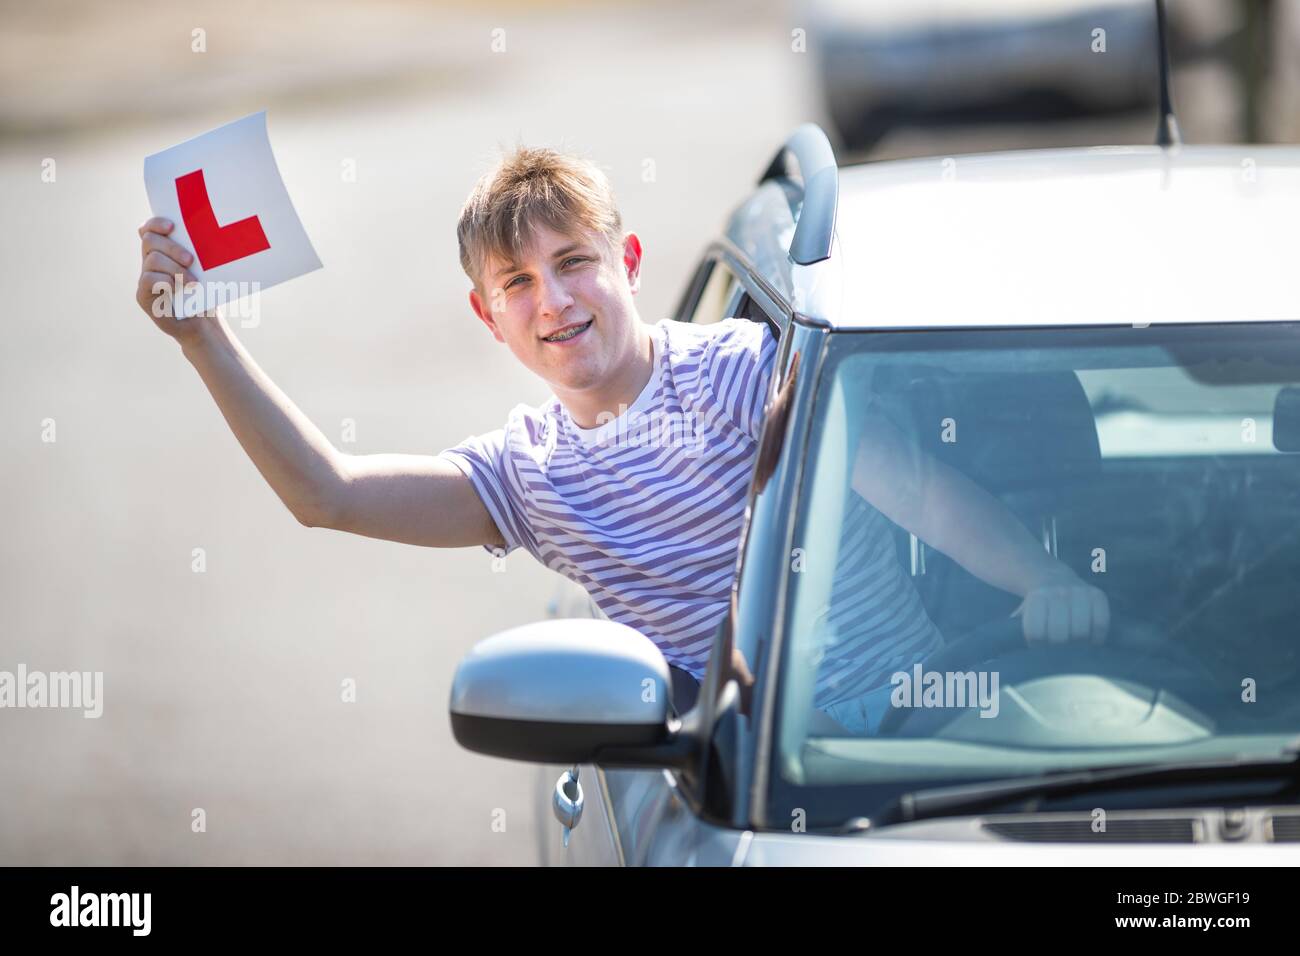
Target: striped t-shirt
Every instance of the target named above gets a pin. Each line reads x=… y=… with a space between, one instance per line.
x=875 y=624
x=645 y=511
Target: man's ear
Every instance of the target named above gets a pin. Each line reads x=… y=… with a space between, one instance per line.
x=483 y=312
x=632 y=261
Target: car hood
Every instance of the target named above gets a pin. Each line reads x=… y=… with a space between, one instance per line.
x=970 y=843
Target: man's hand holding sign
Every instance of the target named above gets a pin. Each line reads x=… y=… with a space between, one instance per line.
x=222 y=219
x=162 y=260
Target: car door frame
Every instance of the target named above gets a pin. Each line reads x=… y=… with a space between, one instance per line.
x=745 y=745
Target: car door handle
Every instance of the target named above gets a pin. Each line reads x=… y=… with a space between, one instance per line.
x=567 y=802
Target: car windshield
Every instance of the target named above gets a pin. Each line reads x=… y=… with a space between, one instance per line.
x=1160 y=466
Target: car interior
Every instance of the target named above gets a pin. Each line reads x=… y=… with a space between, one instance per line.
x=1233 y=521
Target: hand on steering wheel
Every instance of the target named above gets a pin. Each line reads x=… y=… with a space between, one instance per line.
x=1062 y=608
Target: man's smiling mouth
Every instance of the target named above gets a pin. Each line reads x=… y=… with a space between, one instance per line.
x=571 y=332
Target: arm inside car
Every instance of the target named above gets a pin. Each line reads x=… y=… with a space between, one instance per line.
x=947 y=510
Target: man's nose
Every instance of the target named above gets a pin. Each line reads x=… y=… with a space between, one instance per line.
x=554 y=298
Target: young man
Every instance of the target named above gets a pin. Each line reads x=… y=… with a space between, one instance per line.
x=595 y=484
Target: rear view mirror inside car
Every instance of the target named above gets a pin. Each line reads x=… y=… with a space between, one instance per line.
x=1286 y=419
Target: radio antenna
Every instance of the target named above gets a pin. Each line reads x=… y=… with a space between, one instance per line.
x=1167 y=127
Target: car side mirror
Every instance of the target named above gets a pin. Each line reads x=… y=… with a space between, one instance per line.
x=562 y=691
x=1286 y=419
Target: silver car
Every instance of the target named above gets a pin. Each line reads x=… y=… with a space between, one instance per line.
x=1106 y=341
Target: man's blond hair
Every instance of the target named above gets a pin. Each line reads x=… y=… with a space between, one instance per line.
x=530 y=187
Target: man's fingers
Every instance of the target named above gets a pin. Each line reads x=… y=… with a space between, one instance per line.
x=153 y=242
x=1058 y=619
x=157 y=262
x=156 y=224
x=151 y=279
x=1057 y=614
x=1080 y=614
x=155 y=285
x=155 y=294
x=1100 y=615
x=1034 y=618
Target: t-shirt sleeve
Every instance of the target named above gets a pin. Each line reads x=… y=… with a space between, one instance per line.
x=738 y=363
x=483 y=459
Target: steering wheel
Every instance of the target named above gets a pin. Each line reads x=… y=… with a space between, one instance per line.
x=1129 y=642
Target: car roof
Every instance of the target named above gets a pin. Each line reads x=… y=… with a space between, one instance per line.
x=1089 y=236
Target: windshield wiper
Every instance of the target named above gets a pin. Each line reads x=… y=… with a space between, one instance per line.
x=965 y=798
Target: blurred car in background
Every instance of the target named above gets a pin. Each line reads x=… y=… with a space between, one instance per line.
x=890 y=63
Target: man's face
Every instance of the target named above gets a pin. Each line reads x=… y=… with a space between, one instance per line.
x=565 y=281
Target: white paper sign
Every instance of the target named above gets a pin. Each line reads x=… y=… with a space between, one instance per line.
x=224 y=193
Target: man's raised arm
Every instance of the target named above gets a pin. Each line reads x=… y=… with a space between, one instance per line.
x=413 y=499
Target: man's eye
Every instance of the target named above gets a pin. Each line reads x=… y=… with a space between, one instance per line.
x=574 y=259
x=514 y=280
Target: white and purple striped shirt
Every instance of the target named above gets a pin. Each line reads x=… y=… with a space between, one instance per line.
x=645 y=511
